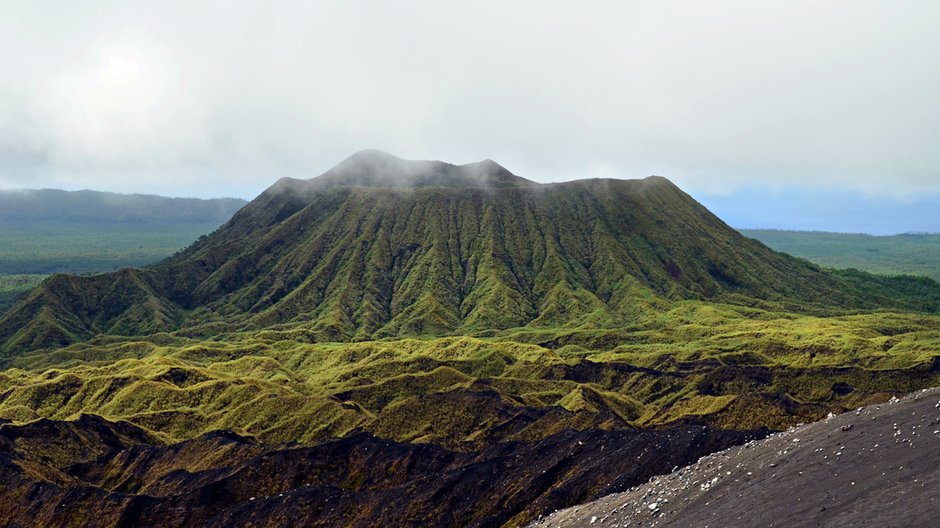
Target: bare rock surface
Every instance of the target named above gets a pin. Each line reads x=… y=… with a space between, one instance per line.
x=875 y=466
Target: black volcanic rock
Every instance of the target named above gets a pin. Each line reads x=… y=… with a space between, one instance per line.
x=222 y=479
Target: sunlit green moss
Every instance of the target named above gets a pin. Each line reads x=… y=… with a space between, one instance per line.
x=707 y=362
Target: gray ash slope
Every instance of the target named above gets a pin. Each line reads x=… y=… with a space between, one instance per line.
x=876 y=466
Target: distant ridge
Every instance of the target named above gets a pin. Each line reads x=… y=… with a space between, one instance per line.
x=55 y=231
x=908 y=253
x=55 y=205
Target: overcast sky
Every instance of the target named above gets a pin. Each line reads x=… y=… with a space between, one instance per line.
x=222 y=98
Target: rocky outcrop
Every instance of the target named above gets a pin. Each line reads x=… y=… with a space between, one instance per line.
x=112 y=474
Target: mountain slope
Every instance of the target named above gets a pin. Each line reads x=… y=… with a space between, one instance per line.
x=66 y=309
x=300 y=355
x=876 y=466
x=381 y=247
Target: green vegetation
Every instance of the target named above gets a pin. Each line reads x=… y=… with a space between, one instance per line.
x=711 y=363
x=12 y=287
x=364 y=263
x=83 y=207
x=463 y=305
x=82 y=248
x=890 y=255
x=52 y=231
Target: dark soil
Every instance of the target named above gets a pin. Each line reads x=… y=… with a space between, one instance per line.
x=97 y=473
x=876 y=466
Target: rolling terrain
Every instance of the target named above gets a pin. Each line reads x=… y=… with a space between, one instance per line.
x=460 y=320
x=110 y=473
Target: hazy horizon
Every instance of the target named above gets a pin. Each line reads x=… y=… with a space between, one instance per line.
x=792 y=208
x=765 y=105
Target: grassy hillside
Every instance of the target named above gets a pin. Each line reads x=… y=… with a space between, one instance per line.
x=891 y=255
x=500 y=401
x=459 y=309
x=465 y=250
x=723 y=365
x=12 y=287
x=462 y=305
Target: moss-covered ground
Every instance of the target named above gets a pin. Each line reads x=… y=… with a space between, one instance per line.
x=725 y=365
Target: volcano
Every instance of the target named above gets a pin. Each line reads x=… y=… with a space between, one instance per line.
x=384 y=247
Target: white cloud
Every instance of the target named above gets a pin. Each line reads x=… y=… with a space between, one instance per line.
x=225 y=97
